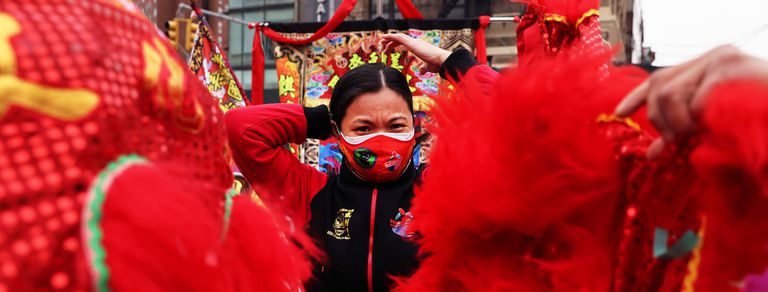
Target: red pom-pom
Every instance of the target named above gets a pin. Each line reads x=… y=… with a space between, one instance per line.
x=521 y=182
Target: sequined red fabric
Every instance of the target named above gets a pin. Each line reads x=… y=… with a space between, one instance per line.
x=550 y=27
x=656 y=194
x=81 y=83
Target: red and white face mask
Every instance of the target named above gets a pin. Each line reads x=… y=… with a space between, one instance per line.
x=379 y=157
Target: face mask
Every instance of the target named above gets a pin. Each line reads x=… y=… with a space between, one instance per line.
x=379 y=157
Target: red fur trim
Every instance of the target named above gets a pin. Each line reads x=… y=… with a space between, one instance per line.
x=265 y=253
x=521 y=182
x=732 y=161
x=159 y=235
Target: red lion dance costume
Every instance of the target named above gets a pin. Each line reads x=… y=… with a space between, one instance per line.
x=539 y=188
x=114 y=166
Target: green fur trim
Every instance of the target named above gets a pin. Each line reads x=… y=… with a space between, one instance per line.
x=92 y=231
x=231 y=193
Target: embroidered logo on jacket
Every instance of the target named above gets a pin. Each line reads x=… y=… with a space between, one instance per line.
x=401 y=223
x=341 y=224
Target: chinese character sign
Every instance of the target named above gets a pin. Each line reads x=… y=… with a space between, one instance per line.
x=307 y=74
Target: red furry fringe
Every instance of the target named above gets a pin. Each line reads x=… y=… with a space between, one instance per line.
x=732 y=161
x=264 y=250
x=160 y=236
x=518 y=199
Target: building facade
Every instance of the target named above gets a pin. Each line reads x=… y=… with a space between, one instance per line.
x=628 y=27
x=241 y=39
x=501 y=39
x=617 y=19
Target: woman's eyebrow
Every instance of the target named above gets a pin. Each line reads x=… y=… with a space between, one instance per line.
x=394 y=119
x=364 y=120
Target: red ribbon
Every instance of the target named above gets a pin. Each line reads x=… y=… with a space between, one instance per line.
x=408 y=10
x=480 y=48
x=257 y=68
x=338 y=17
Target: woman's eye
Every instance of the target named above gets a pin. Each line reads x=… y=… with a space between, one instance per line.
x=397 y=127
x=362 y=129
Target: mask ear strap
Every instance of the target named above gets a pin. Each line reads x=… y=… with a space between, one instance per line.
x=335 y=128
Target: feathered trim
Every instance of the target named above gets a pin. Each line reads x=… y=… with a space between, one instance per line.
x=522 y=181
x=732 y=162
x=264 y=250
x=570 y=9
x=151 y=232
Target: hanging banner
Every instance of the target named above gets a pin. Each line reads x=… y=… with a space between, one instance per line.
x=306 y=74
x=208 y=61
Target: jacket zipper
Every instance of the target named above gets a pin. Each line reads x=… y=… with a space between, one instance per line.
x=370 y=240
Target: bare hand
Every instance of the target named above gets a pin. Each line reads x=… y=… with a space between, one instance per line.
x=675 y=96
x=432 y=55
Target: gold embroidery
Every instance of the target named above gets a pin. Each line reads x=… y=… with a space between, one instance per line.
x=695 y=262
x=7 y=56
x=562 y=19
x=341 y=225
x=606 y=118
x=590 y=13
x=169 y=87
x=556 y=18
x=61 y=103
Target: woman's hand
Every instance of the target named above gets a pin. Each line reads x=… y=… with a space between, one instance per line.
x=675 y=96
x=433 y=56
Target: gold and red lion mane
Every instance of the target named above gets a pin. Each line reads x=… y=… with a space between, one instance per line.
x=551 y=27
x=529 y=168
x=528 y=188
x=532 y=187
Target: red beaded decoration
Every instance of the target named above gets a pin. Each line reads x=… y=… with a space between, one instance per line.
x=81 y=83
x=657 y=194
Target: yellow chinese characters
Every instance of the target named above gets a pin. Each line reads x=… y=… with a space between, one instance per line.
x=286 y=86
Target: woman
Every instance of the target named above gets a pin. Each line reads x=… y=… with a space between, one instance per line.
x=349 y=214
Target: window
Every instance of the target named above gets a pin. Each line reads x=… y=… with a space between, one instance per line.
x=241 y=38
x=235 y=4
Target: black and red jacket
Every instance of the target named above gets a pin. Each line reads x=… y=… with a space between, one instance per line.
x=351 y=219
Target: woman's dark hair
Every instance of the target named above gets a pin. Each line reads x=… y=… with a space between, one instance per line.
x=367 y=78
